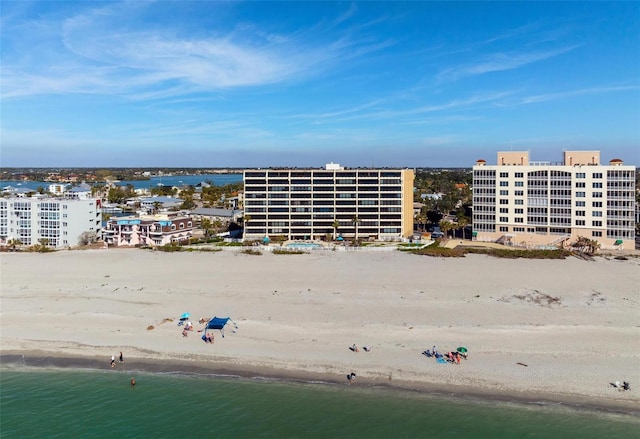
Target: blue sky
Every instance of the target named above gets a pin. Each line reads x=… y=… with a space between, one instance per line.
x=217 y=84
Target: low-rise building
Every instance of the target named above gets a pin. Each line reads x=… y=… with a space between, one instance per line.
x=58 y=222
x=151 y=230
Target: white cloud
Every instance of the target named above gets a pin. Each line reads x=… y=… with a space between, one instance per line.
x=497 y=62
x=109 y=50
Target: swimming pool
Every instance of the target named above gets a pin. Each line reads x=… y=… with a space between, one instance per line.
x=304 y=245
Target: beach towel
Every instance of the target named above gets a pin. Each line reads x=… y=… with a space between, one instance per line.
x=441 y=361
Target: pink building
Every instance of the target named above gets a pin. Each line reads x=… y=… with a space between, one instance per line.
x=151 y=230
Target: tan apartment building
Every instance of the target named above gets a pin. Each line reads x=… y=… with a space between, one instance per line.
x=535 y=204
x=304 y=204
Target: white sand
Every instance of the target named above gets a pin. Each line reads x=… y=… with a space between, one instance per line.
x=298 y=314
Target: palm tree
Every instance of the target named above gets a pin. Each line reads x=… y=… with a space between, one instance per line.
x=446 y=226
x=205 y=224
x=462 y=223
x=156 y=206
x=336 y=226
x=355 y=221
x=217 y=225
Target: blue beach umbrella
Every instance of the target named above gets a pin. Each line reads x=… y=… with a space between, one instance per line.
x=185 y=315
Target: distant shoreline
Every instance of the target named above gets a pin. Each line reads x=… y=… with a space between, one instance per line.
x=33 y=360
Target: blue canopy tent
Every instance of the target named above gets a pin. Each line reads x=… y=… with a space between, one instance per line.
x=219 y=323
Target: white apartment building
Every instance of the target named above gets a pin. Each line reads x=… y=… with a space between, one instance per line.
x=60 y=221
x=304 y=204
x=536 y=204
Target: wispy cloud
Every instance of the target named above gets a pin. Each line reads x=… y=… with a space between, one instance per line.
x=572 y=93
x=500 y=62
x=347 y=14
x=100 y=53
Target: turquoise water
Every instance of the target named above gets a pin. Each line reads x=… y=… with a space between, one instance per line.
x=71 y=404
x=303 y=245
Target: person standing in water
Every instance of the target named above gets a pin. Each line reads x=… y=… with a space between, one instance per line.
x=133 y=382
x=121 y=357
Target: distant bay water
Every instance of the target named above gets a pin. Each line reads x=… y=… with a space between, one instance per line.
x=177 y=180
x=89 y=403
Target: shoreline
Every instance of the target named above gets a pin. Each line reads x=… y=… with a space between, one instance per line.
x=42 y=360
x=574 y=323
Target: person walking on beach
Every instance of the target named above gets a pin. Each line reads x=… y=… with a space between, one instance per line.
x=113 y=361
x=121 y=357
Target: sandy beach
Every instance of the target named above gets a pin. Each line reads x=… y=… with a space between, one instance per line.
x=536 y=330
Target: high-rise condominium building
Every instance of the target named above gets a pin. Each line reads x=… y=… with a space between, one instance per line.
x=59 y=221
x=533 y=204
x=306 y=204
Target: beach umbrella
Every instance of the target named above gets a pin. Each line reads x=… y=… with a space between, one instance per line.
x=185 y=315
x=462 y=350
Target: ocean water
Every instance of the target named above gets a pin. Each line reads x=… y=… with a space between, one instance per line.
x=85 y=404
x=178 y=180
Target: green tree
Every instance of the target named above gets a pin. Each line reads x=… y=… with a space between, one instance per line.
x=355 y=221
x=446 y=227
x=462 y=223
x=336 y=226
x=205 y=224
x=217 y=225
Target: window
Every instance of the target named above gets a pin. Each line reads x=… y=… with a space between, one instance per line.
x=581 y=175
x=581 y=184
x=596 y=233
x=504 y=210
x=596 y=223
x=504 y=192
x=504 y=229
x=504 y=183
x=597 y=195
x=520 y=220
x=597 y=185
x=580 y=194
x=580 y=213
x=580 y=223
x=596 y=213
x=503 y=201
x=596 y=204
x=519 y=210
x=519 y=193
x=519 y=202
x=519 y=174
x=580 y=204
x=519 y=183
x=504 y=175
x=597 y=175
x=504 y=219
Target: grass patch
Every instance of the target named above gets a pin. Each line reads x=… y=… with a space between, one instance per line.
x=459 y=252
x=204 y=249
x=517 y=254
x=250 y=251
x=436 y=250
x=288 y=252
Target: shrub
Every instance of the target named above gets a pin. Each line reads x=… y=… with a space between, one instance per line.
x=250 y=251
x=279 y=251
